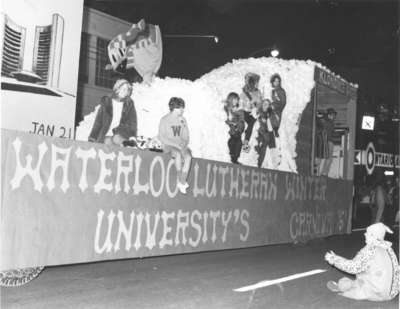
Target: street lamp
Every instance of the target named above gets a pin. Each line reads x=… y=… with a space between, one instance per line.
x=214 y=37
x=274 y=51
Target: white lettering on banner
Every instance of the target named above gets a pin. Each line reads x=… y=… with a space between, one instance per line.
x=160 y=176
x=255 y=182
x=187 y=227
x=181 y=226
x=167 y=185
x=244 y=193
x=268 y=186
x=59 y=163
x=123 y=170
x=139 y=218
x=104 y=172
x=213 y=192
x=196 y=190
x=151 y=234
x=167 y=229
x=225 y=222
x=121 y=173
x=214 y=215
x=197 y=226
x=223 y=171
x=107 y=246
x=234 y=184
x=84 y=155
x=205 y=234
x=123 y=230
x=28 y=170
x=137 y=187
x=307 y=224
x=244 y=215
x=305 y=188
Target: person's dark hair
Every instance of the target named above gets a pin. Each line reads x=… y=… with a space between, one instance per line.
x=176 y=102
x=252 y=82
x=232 y=96
x=275 y=76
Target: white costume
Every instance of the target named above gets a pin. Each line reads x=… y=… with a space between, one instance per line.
x=375 y=266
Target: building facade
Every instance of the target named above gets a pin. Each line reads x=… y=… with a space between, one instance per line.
x=94 y=80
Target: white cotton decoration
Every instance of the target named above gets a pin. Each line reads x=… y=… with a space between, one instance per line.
x=204 y=106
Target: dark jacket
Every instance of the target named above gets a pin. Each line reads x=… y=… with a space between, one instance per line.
x=327 y=126
x=127 y=125
x=278 y=96
x=263 y=118
x=236 y=124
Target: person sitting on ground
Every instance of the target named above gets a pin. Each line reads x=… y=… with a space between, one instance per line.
x=116 y=119
x=278 y=96
x=235 y=121
x=266 y=136
x=251 y=100
x=173 y=134
x=375 y=266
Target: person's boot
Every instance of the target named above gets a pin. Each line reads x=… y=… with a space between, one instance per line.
x=333 y=286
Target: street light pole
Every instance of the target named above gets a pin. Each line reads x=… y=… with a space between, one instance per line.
x=216 y=39
x=272 y=49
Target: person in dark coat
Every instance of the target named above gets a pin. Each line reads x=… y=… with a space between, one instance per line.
x=266 y=135
x=278 y=97
x=235 y=121
x=328 y=128
x=116 y=119
x=250 y=100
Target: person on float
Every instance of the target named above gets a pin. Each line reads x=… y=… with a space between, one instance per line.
x=266 y=135
x=325 y=141
x=236 y=123
x=173 y=134
x=375 y=266
x=278 y=97
x=116 y=119
x=251 y=100
x=321 y=143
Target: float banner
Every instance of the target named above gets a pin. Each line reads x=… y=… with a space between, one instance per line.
x=69 y=202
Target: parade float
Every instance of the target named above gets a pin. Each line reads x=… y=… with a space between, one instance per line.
x=67 y=201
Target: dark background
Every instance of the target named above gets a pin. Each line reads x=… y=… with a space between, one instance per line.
x=357 y=39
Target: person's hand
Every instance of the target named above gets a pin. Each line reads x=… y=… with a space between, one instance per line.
x=330 y=257
x=117 y=139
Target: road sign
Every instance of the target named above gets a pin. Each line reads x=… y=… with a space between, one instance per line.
x=370 y=158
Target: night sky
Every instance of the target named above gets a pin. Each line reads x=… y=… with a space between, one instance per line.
x=357 y=39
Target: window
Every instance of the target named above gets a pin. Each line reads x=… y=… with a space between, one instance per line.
x=104 y=78
x=13 y=47
x=41 y=57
